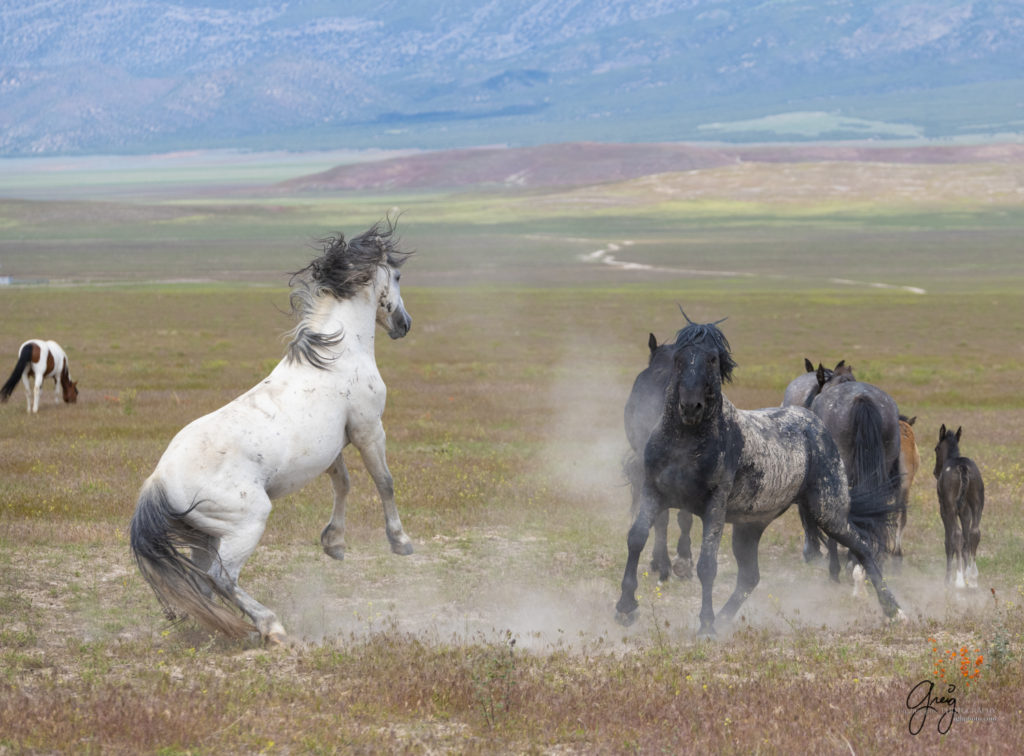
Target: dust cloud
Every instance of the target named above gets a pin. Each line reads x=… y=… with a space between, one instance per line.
x=556 y=587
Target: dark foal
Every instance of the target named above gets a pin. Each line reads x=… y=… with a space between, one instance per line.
x=961 y=499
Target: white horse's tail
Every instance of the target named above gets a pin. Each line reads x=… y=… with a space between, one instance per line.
x=158 y=536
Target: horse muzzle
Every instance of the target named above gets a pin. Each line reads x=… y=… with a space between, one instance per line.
x=400 y=325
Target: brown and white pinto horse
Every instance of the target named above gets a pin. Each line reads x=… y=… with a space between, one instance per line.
x=41 y=359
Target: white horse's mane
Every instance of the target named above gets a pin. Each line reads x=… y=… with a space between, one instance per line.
x=340 y=271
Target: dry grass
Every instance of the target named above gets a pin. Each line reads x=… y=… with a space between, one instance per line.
x=504 y=422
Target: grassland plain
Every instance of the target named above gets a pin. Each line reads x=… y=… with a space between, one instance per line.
x=505 y=438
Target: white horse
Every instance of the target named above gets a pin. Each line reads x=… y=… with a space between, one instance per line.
x=40 y=360
x=211 y=492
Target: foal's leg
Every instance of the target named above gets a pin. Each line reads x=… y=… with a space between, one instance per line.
x=372 y=448
x=954 y=543
x=333 y=536
x=973 y=539
x=745 y=539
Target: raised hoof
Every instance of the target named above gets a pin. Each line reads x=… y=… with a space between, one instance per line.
x=625 y=618
x=402 y=548
x=683 y=569
x=335 y=552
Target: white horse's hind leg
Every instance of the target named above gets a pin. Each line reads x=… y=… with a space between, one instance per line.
x=235 y=548
x=333 y=536
x=26 y=381
x=372 y=449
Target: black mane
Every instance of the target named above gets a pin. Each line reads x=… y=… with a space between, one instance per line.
x=343 y=268
x=709 y=334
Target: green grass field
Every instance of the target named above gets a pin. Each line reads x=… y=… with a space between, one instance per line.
x=505 y=438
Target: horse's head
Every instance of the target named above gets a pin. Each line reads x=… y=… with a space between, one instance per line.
x=948 y=447
x=391 y=313
x=841 y=373
x=70 y=390
x=702 y=362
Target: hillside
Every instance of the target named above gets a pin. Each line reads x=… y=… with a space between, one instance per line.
x=580 y=164
x=119 y=76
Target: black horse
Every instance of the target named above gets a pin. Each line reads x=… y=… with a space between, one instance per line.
x=801 y=390
x=743 y=467
x=865 y=423
x=643 y=411
x=961 y=499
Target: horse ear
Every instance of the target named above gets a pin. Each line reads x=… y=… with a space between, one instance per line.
x=911 y=420
x=942 y=432
x=652 y=343
x=821 y=377
x=808 y=365
x=839 y=365
x=960 y=428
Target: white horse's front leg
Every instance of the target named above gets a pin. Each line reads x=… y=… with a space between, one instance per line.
x=333 y=536
x=372 y=449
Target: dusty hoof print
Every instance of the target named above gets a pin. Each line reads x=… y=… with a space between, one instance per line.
x=335 y=552
x=683 y=569
x=625 y=618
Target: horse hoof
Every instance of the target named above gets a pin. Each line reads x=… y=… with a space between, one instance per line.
x=276 y=639
x=402 y=548
x=335 y=552
x=683 y=569
x=707 y=634
x=625 y=618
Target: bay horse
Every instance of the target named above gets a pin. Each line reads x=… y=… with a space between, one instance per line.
x=37 y=361
x=642 y=413
x=961 y=499
x=910 y=463
x=744 y=467
x=210 y=494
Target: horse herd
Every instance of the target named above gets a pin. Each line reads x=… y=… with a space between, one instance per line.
x=837 y=448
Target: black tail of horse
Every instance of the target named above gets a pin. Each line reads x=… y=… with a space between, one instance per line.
x=24 y=358
x=874 y=500
x=158 y=534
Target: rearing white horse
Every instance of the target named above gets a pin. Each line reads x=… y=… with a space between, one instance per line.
x=211 y=492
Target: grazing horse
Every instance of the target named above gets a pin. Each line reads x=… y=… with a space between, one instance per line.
x=211 y=491
x=642 y=413
x=40 y=360
x=961 y=499
x=745 y=467
x=910 y=463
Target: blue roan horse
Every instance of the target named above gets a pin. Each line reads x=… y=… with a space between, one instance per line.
x=745 y=467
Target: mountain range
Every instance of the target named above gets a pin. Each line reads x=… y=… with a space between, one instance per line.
x=124 y=76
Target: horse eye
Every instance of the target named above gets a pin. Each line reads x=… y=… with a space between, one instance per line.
x=398 y=276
